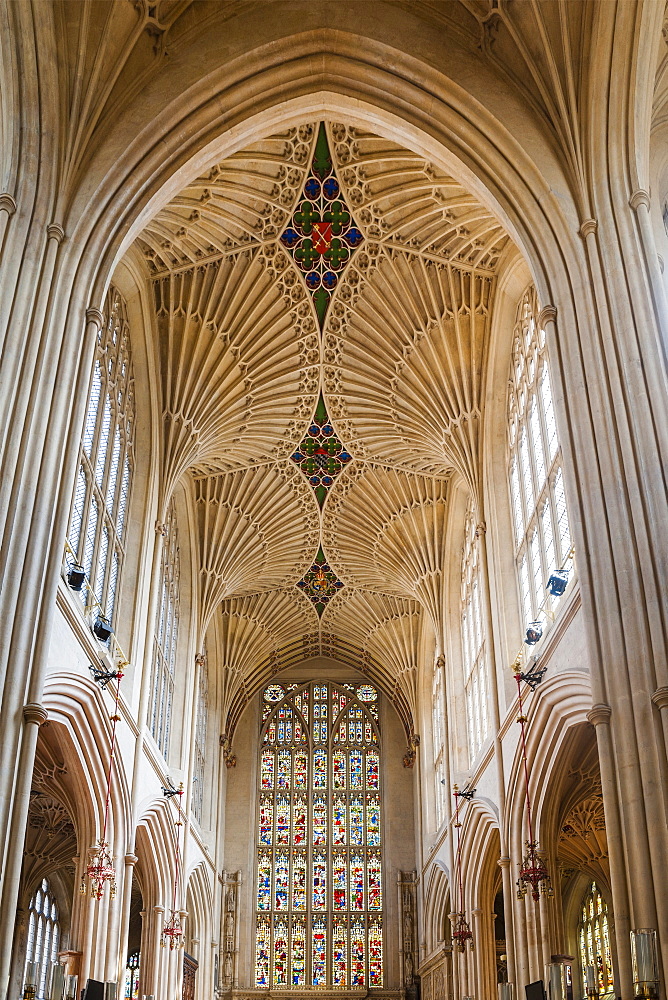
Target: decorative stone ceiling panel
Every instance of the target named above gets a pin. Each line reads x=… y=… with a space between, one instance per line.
x=400 y=198
x=322 y=429
x=256 y=532
x=246 y=199
x=239 y=355
x=403 y=360
x=388 y=529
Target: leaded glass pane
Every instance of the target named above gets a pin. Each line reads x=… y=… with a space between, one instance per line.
x=536 y=483
x=319 y=881
x=102 y=493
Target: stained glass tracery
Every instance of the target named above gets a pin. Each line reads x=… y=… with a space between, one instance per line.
x=322 y=235
x=321 y=456
x=594 y=940
x=319 y=862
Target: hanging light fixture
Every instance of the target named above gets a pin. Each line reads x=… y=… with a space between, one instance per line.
x=172 y=932
x=461 y=934
x=533 y=871
x=534 y=633
x=100 y=870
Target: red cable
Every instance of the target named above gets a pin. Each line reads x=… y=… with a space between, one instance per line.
x=114 y=720
x=521 y=721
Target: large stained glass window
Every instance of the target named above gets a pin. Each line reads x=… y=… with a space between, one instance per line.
x=542 y=534
x=319 y=861
x=594 y=935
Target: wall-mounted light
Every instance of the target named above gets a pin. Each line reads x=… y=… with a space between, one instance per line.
x=644 y=963
x=556 y=981
x=76 y=575
x=557 y=583
x=102 y=628
x=534 y=633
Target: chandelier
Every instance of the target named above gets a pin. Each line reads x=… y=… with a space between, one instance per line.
x=461 y=934
x=533 y=872
x=172 y=931
x=100 y=870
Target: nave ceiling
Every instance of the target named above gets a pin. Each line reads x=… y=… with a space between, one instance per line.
x=379 y=368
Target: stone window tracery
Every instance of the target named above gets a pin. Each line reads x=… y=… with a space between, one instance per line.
x=473 y=641
x=540 y=518
x=165 y=636
x=319 y=860
x=43 y=937
x=594 y=941
x=96 y=535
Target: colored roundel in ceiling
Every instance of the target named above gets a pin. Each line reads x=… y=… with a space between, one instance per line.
x=320 y=583
x=322 y=235
x=321 y=456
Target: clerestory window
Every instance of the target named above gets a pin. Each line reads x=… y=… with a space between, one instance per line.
x=319 y=851
x=96 y=536
x=542 y=534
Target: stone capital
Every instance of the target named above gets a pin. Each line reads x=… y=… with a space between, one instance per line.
x=548 y=314
x=35 y=714
x=638 y=198
x=660 y=697
x=131 y=859
x=95 y=316
x=503 y=862
x=599 y=714
x=588 y=227
x=55 y=231
x=7 y=203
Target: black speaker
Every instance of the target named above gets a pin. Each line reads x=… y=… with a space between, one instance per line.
x=93 y=990
x=535 y=991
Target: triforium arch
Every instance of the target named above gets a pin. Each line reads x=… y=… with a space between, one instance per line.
x=575 y=208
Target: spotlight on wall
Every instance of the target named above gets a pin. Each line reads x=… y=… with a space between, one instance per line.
x=76 y=576
x=102 y=628
x=534 y=633
x=557 y=583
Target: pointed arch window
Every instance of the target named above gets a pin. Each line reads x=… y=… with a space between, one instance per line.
x=131 y=985
x=43 y=938
x=473 y=641
x=96 y=536
x=594 y=941
x=540 y=517
x=165 y=637
x=319 y=852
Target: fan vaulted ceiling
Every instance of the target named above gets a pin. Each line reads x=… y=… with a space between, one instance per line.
x=256 y=325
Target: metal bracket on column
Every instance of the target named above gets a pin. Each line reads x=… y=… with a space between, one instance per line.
x=170 y=791
x=102 y=677
x=467 y=793
x=533 y=676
